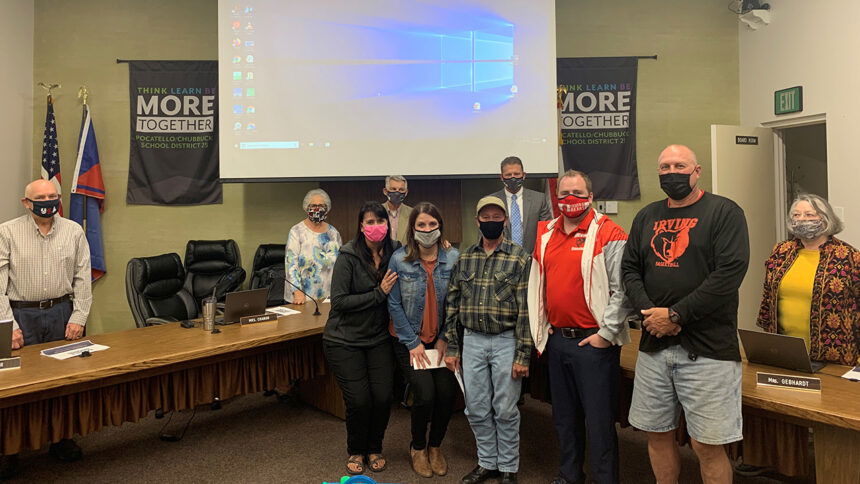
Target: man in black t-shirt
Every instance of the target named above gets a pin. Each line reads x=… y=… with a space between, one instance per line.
x=683 y=263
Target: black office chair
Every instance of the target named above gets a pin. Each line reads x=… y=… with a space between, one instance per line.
x=154 y=287
x=268 y=271
x=211 y=263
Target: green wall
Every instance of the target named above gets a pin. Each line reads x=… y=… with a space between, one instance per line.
x=693 y=84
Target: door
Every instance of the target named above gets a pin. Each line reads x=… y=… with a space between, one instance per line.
x=744 y=170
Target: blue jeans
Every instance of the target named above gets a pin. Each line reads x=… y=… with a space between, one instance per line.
x=491 y=398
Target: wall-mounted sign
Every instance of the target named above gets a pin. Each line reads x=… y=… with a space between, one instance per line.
x=788 y=100
x=746 y=140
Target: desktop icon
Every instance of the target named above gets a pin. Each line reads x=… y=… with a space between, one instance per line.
x=249 y=43
x=250 y=92
x=249 y=76
x=249 y=59
x=237 y=42
x=250 y=110
x=237 y=126
x=238 y=109
x=237 y=92
x=237 y=59
x=251 y=127
x=237 y=75
x=237 y=25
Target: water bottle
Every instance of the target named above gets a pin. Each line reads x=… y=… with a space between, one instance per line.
x=209 y=312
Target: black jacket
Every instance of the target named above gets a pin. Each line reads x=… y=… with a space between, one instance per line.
x=359 y=308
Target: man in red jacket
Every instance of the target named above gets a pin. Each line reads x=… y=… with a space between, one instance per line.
x=578 y=313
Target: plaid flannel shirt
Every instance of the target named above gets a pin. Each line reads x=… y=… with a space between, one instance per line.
x=487 y=294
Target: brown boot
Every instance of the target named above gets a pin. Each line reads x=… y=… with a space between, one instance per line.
x=437 y=461
x=420 y=464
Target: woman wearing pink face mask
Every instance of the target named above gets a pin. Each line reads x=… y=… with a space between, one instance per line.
x=355 y=340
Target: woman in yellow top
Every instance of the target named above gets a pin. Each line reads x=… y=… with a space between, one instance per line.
x=810 y=291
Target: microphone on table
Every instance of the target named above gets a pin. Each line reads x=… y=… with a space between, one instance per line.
x=316 y=305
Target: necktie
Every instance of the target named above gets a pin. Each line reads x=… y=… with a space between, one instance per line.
x=516 y=221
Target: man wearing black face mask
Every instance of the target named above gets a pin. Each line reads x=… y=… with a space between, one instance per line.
x=395 y=191
x=45 y=278
x=525 y=207
x=683 y=263
x=486 y=303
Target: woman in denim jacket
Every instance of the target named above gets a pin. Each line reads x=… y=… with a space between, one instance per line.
x=417 y=310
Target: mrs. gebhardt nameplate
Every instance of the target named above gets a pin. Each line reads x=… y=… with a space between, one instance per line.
x=791 y=382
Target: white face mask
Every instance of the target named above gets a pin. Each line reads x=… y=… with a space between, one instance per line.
x=427 y=239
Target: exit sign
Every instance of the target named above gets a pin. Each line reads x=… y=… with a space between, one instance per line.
x=788 y=100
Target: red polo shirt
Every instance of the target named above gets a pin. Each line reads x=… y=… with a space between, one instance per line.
x=565 y=299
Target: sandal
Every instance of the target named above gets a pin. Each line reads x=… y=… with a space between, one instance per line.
x=377 y=462
x=355 y=465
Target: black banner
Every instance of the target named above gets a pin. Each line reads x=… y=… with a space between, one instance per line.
x=598 y=123
x=174 y=133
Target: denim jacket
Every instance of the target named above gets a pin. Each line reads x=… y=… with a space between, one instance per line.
x=406 y=300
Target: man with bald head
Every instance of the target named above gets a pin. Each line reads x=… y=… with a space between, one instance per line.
x=683 y=263
x=44 y=279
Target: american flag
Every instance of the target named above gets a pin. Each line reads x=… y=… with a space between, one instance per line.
x=50 y=153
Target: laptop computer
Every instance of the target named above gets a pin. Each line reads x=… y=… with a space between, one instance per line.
x=6 y=339
x=243 y=303
x=778 y=350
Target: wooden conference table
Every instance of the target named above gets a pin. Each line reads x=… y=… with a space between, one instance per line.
x=173 y=368
x=834 y=413
x=160 y=367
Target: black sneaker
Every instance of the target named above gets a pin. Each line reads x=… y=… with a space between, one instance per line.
x=66 y=450
x=748 y=470
x=479 y=474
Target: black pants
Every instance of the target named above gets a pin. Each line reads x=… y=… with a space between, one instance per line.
x=43 y=325
x=365 y=376
x=584 y=384
x=433 y=393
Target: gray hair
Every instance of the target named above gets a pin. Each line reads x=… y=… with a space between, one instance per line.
x=398 y=178
x=314 y=192
x=832 y=224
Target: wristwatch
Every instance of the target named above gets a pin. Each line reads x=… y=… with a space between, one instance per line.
x=674 y=316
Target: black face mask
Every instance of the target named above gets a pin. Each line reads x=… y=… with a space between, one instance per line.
x=396 y=198
x=676 y=185
x=45 y=208
x=492 y=230
x=513 y=184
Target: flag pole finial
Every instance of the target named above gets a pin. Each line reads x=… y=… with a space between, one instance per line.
x=50 y=87
x=83 y=94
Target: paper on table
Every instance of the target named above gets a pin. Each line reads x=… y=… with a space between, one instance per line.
x=433 y=356
x=327 y=300
x=853 y=374
x=72 y=350
x=282 y=311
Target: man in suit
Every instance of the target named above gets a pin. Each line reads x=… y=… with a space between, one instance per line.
x=530 y=207
x=395 y=192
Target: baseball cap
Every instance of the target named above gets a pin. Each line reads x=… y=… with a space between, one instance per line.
x=490 y=200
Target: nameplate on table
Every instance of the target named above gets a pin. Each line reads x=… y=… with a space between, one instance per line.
x=260 y=318
x=791 y=382
x=10 y=363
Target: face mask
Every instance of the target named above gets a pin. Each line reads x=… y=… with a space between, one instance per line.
x=573 y=206
x=396 y=198
x=676 y=185
x=513 y=184
x=427 y=239
x=492 y=230
x=45 y=208
x=317 y=215
x=375 y=233
x=806 y=229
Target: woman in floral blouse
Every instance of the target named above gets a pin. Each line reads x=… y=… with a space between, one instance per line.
x=312 y=247
x=811 y=289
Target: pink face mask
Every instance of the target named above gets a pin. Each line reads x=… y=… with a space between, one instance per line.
x=375 y=233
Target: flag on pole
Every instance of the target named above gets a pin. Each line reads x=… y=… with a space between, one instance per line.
x=88 y=194
x=50 y=153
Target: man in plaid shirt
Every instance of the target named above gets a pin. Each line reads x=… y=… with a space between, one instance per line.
x=487 y=303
